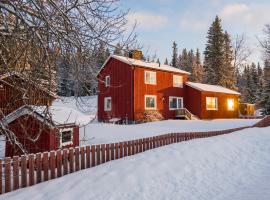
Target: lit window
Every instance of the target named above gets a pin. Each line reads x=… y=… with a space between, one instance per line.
x=150 y=77
x=230 y=103
x=66 y=137
x=211 y=103
x=107 y=104
x=177 y=81
x=107 y=81
x=150 y=102
x=175 y=103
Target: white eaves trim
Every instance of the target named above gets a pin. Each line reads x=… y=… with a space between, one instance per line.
x=141 y=63
x=211 y=88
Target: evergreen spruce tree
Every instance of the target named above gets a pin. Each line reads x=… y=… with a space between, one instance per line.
x=158 y=61
x=166 y=62
x=197 y=68
x=247 y=92
x=174 y=55
x=183 y=60
x=265 y=99
x=214 y=53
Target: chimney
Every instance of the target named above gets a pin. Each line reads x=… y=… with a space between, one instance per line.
x=135 y=54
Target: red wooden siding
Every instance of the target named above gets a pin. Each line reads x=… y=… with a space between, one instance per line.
x=163 y=90
x=194 y=103
x=120 y=91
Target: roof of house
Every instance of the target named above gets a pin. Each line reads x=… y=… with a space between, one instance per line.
x=53 y=116
x=141 y=63
x=211 y=88
x=19 y=75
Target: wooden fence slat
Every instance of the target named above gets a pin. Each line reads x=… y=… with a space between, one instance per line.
x=116 y=150
x=129 y=148
x=71 y=160
x=93 y=155
x=140 y=145
x=1 y=174
x=147 y=143
x=16 y=165
x=59 y=162
x=88 y=150
x=121 y=150
x=52 y=164
x=38 y=168
x=98 y=154
x=103 y=153
x=82 y=158
x=136 y=146
x=65 y=161
x=132 y=147
x=112 y=151
x=24 y=171
x=108 y=152
x=31 y=161
x=125 y=149
x=77 y=159
x=45 y=166
x=7 y=174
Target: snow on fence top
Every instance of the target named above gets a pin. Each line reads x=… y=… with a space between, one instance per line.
x=211 y=88
x=142 y=63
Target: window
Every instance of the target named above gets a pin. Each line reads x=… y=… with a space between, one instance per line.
x=150 y=102
x=107 y=104
x=150 y=78
x=175 y=103
x=1 y=86
x=107 y=81
x=211 y=103
x=230 y=103
x=66 y=137
x=177 y=81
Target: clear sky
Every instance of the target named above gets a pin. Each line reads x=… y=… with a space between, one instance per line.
x=160 y=22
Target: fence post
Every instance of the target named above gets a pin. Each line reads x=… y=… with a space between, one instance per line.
x=132 y=147
x=77 y=158
x=140 y=145
x=125 y=149
x=52 y=164
x=65 y=160
x=7 y=174
x=93 y=155
x=112 y=151
x=82 y=158
x=31 y=169
x=98 y=154
x=108 y=152
x=16 y=172
x=88 y=157
x=45 y=165
x=71 y=160
x=116 y=145
x=59 y=162
x=24 y=170
x=121 y=149
x=129 y=148
x=39 y=167
x=103 y=153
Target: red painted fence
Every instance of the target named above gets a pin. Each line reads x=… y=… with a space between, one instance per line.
x=19 y=172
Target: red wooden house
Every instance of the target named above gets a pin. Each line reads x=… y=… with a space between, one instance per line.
x=38 y=130
x=130 y=89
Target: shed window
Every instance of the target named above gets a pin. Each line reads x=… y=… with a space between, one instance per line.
x=107 y=104
x=230 y=103
x=2 y=86
x=211 y=103
x=150 y=102
x=150 y=78
x=107 y=81
x=175 y=103
x=66 y=137
x=177 y=81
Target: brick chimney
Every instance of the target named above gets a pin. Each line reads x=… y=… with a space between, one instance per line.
x=135 y=54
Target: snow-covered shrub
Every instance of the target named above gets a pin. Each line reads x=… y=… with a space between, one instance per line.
x=149 y=116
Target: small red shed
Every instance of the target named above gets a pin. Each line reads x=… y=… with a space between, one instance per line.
x=37 y=132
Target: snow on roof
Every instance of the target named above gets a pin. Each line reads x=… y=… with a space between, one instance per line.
x=211 y=88
x=141 y=63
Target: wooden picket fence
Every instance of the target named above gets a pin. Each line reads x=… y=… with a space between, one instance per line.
x=27 y=170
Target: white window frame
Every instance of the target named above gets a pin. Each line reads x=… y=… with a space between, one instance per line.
x=176 y=84
x=107 y=81
x=233 y=108
x=150 y=96
x=173 y=97
x=69 y=142
x=151 y=73
x=216 y=108
x=105 y=104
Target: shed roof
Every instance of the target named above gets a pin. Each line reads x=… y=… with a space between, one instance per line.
x=145 y=64
x=211 y=88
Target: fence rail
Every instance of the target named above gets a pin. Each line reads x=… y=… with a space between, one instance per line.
x=27 y=170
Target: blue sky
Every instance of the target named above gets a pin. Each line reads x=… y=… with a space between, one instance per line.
x=160 y=22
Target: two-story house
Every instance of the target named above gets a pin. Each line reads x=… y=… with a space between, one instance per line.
x=129 y=87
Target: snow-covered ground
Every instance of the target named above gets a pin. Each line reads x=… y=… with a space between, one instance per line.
x=234 y=166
